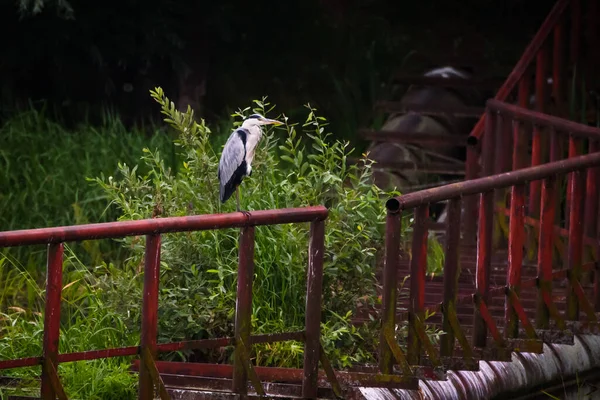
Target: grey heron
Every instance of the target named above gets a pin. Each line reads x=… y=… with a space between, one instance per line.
x=238 y=153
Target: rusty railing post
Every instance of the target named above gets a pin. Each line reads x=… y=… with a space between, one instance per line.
x=390 y=288
x=537 y=151
x=548 y=217
x=314 y=283
x=243 y=310
x=472 y=172
x=52 y=318
x=451 y=274
x=558 y=62
x=575 y=242
x=519 y=140
x=591 y=203
x=418 y=271
x=516 y=240
x=502 y=163
x=597 y=269
x=149 y=332
x=575 y=30
x=545 y=248
x=484 y=240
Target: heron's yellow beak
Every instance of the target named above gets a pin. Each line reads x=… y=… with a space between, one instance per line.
x=272 y=122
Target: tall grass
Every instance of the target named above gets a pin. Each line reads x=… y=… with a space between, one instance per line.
x=43 y=168
x=86 y=324
x=43 y=171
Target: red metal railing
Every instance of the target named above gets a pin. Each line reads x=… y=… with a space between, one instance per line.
x=582 y=171
x=149 y=377
x=512 y=127
x=545 y=57
x=484 y=324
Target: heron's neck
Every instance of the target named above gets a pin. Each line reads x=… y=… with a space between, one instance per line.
x=256 y=132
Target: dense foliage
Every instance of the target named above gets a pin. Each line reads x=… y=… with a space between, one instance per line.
x=294 y=167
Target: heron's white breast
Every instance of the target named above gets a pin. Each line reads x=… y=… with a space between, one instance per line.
x=251 y=141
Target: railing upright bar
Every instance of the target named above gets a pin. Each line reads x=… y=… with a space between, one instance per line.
x=243 y=310
x=314 y=283
x=516 y=240
x=52 y=318
x=451 y=274
x=149 y=333
x=520 y=141
x=502 y=143
x=390 y=288
x=471 y=204
x=545 y=249
x=575 y=30
x=418 y=271
x=558 y=58
x=597 y=269
x=537 y=155
x=486 y=226
x=526 y=59
x=576 y=189
x=591 y=203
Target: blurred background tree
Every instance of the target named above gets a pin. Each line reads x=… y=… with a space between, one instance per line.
x=80 y=58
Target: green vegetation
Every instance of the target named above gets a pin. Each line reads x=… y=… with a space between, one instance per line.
x=296 y=166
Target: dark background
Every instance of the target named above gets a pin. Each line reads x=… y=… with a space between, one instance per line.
x=79 y=58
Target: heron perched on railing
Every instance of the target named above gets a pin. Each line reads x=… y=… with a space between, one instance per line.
x=238 y=153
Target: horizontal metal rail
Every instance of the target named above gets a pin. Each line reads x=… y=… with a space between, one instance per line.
x=464 y=112
x=517 y=113
x=421 y=138
x=488 y=183
x=480 y=83
x=161 y=348
x=148 y=350
x=120 y=229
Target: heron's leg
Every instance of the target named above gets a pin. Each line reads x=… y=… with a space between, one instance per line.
x=237 y=197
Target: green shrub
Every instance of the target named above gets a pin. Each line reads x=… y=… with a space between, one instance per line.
x=294 y=167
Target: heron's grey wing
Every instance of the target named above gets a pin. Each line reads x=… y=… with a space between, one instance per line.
x=232 y=158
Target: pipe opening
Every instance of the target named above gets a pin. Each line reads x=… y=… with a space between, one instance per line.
x=472 y=140
x=392 y=205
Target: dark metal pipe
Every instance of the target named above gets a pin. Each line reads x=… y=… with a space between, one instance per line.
x=488 y=183
x=160 y=225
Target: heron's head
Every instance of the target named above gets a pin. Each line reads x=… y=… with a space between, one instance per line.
x=257 y=119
